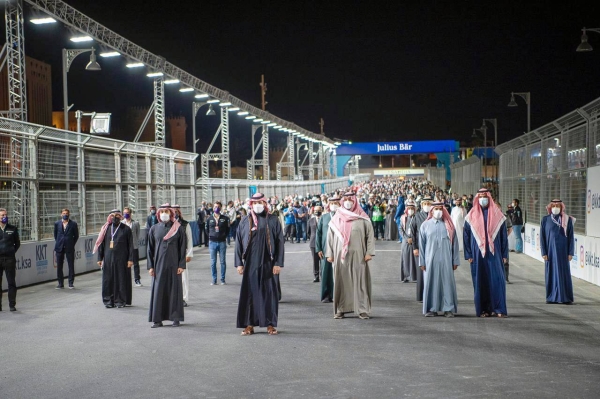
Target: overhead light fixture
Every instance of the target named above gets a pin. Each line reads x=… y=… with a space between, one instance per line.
x=135 y=65
x=213 y=101
x=258 y=120
x=155 y=74
x=225 y=104
x=171 y=81
x=81 y=39
x=108 y=54
x=201 y=95
x=278 y=126
x=584 y=46
x=93 y=64
x=265 y=122
x=512 y=102
x=234 y=109
x=42 y=21
x=251 y=117
x=186 y=89
x=210 y=111
x=243 y=113
x=272 y=124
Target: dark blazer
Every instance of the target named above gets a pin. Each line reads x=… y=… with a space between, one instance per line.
x=65 y=239
x=312 y=231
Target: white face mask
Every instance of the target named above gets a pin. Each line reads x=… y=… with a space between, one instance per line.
x=426 y=208
x=333 y=208
x=258 y=208
x=437 y=214
x=483 y=202
x=411 y=212
x=555 y=211
x=348 y=204
x=165 y=217
x=513 y=204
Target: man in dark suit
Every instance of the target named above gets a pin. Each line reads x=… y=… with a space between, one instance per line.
x=66 y=234
x=313 y=222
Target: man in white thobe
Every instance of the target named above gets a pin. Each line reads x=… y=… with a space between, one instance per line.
x=439 y=251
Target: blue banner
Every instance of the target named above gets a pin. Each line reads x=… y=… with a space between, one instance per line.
x=398 y=147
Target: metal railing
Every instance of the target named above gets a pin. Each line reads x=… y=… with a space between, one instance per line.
x=551 y=162
x=44 y=170
x=466 y=176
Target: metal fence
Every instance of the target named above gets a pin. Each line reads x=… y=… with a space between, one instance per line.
x=466 y=176
x=437 y=176
x=44 y=170
x=551 y=162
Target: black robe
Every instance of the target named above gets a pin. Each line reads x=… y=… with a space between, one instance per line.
x=165 y=257
x=116 y=276
x=259 y=294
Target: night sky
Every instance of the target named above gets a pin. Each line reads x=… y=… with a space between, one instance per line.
x=371 y=70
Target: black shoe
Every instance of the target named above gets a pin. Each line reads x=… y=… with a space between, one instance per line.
x=316 y=280
x=184 y=304
x=71 y=286
x=156 y=325
x=120 y=306
x=109 y=306
x=13 y=309
x=60 y=287
x=175 y=324
x=405 y=281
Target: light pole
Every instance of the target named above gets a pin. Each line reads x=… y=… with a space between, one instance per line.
x=527 y=97
x=494 y=122
x=196 y=105
x=584 y=46
x=68 y=56
x=484 y=131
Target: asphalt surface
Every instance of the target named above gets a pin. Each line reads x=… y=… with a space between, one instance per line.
x=66 y=344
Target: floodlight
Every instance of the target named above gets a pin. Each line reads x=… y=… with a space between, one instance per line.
x=186 y=89
x=135 y=65
x=243 y=113
x=225 y=104
x=155 y=74
x=100 y=124
x=234 y=109
x=42 y=21
x=81 y=39
x=201 y=95
x=109 y=54
x=171 y=81
x=251 y=117
x=213 y=101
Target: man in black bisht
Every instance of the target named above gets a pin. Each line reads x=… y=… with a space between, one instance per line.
x=166 y=261
x=115 y=255
x=259 y=252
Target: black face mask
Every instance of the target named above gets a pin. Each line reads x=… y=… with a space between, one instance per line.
x=116 y=221
x=318 y=213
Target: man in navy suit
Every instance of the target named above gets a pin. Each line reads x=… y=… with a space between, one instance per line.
x=66 y=234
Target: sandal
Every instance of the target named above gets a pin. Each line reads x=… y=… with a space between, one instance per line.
x=484 y=314
x=248 y=330
x=272 y=331
x=502 y=316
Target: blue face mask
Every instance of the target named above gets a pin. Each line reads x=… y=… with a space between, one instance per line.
x=65 y=217
x=5 y=219
x=126 y=215
x=216 y=209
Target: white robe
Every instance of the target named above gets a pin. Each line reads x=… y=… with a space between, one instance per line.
x=458 y=218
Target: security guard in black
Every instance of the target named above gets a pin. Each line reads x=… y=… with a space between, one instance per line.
x=218 y=227
x=9 y=245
